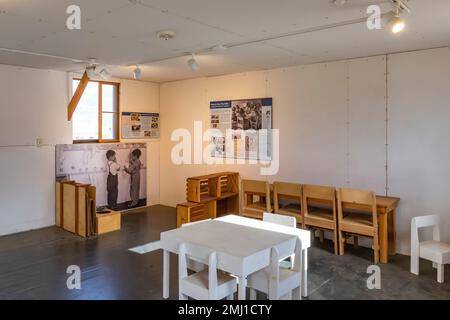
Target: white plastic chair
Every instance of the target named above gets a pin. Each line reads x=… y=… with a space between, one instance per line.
x=208 y=284
x=280 y=219
x=433 y=250
x=276 y=282
x=286 y=221
x=195 y=264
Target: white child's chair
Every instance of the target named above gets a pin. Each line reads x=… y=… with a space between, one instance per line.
x=211 y=284
x=277 y=282
x=433 y=250
x=192 y=263
x=286 y=221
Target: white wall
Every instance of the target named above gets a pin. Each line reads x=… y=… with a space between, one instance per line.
x=419 y=132
x=332 y=121
x=144 y=97
x=33 y=104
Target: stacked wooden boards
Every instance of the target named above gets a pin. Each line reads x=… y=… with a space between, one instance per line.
x=75 y=208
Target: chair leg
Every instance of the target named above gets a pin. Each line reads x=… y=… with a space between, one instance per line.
x=335 y=242
x=435 y=265
x=376 y=248
x=321 y=236
x=355 y=242
x=440 y=273
x=414 y=264
x=252 y=294
x=341 y=243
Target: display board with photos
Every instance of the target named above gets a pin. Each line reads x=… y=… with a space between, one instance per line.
x=242 y=129
x=137 y=125
x=118 y=171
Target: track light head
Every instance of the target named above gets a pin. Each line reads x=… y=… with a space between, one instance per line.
x=137 y=73
x=397 y=24
x=90 y=71
x=192 y=63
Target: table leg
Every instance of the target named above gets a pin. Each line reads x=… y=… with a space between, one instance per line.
x=383 y=232
x=242 y=288
x=305 y=272
x=166 y=274
x=392 y=233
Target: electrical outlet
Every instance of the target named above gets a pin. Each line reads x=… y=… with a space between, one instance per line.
x=39 y=142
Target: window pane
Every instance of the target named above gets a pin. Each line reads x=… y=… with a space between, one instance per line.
x=109 y=96
x=85 y=118
x=109 y=126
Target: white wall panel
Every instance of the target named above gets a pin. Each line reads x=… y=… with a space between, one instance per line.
x=419 y=131
x=367 y=126
x=33 y=104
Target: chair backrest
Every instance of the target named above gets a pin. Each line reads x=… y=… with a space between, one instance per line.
x=201 y=253
x=275 y=267
x=193 y=223
x=424 y=222
x=279 y=219
x=288 y=189
x=292 y=191
x=321 y=194
x=256 y=187
x=360 y=200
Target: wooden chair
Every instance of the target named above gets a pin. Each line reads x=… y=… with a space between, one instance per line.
x=208 y=284
x=289 y=192
x=323 y=216
x=276 y=282
x=286 y=221
x=251 y=188
x=361 y=218
x=432 y=250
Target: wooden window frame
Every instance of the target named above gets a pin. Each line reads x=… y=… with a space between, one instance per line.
x=100 y=113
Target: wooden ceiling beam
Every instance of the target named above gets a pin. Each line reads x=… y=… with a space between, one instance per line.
x=77 y=96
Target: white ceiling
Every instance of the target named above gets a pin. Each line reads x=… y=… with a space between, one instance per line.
x=121 y=33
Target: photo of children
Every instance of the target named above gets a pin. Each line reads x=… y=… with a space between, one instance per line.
x=134 y=171
x=246 y=115
x=118 y=171
x=112 y=182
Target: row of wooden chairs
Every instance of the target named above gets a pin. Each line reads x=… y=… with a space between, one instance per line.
x=344 y=212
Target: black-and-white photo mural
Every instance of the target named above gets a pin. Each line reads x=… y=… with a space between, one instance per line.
x=118 y=171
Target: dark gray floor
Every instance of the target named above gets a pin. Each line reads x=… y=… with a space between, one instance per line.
x=33 y=266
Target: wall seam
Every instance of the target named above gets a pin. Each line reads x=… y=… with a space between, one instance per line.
x=387 y=124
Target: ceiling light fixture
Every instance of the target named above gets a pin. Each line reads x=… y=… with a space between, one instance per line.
x=396 y=23
x=137 y=73
x=90 y=71
x=192 y=63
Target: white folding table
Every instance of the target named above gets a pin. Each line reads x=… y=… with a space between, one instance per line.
x=242 y=245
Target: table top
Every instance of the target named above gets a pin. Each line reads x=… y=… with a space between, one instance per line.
x=383 y=201
x=304 y=235
x=233 y=235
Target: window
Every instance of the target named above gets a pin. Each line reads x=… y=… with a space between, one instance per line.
x=96 y=118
